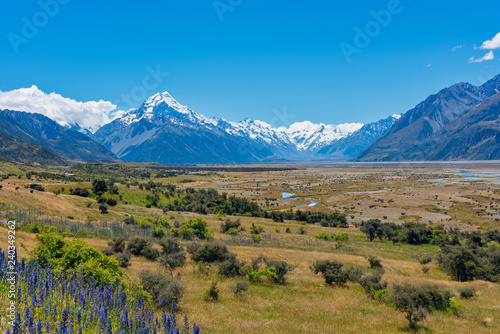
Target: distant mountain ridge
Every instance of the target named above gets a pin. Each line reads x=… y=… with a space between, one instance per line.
x=162 y=130
x=41 y=130
x=418 y=129
x=21 y=151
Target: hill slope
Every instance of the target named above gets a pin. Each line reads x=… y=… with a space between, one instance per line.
x=41 y=130
x=21 y=151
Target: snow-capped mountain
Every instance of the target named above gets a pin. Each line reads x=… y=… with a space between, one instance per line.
x=352 y=146
x=412 y=136
x=164 y=127
x=307 y=135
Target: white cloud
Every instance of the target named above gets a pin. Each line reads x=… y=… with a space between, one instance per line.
x=488 y=56
x=458 y=47
x=428 y=65
x=88 y=115
x=491 y=44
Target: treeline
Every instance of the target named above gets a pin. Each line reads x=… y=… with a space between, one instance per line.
x=204 y=201
x=465 y=256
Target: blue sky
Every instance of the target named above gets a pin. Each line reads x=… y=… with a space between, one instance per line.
x=238 y=59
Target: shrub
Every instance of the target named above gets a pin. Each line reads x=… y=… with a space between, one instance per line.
x=425 y=259
x=229 y=224
x=117 y=245
x=302 y=230
x=80 y=192
x=172 y=256
x=123 y=259
x=67 y=256
x=256 y=229
x=372 y=283
x=158 y=233
x=34 y=228
x=209 y=252
x=136 y=245
x=460 y=262
x=282 y=268
x=256 y=238
x=255 y=275
x=111 y=202
x=191 y=228
x=150 y=253
x=417 y=301
x=37 y=187
x=332 y=271
x=425 y=269
x=212 y=294
x=129 y=220
x=277 y=230
x=467 y=292
x=103 y=207
x=288 y=230
x=231 y=266
x=99 y=187
x=239 y=287
x=161 y=288
x=375 y=262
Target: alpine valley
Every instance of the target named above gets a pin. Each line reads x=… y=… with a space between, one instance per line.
x=164 y=131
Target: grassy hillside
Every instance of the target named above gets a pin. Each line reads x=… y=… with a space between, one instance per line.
x=305 y=304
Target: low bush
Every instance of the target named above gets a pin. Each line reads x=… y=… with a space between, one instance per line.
x=37 y=187
x=67 y=256
x=172 y=255
x=80 y=192
x=212 y=294
x=375 y=262
x=117 y=245
x=229 y=224
x=417 y=301
x=209 y=252
x=372 y=283
x=282 y=268
x=332 y=271
x=123 y=259
x=161 y=288
x=191 y=228
x=136 y=245
x=231 y=266
x=467 y=292
x=239 y=287
x=150 y=253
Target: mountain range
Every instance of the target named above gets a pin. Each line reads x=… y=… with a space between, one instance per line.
x=421 y=133
x=61 y=142
x=460 y=122
x=165 y=131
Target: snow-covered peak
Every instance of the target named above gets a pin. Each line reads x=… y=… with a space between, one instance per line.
x=307 y=135
x=162 y=107
x=396 y=116
x=159 y=99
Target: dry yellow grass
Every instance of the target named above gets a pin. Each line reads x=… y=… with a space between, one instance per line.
x=307 y=304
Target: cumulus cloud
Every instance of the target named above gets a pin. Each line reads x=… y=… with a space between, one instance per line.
x=488 y=56
x=491 y=44
x=88 y=116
